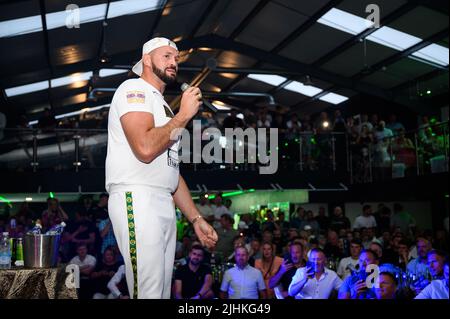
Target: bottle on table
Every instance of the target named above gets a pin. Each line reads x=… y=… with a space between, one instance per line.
x=5 y=251
x=19 y=253
x=36 y=230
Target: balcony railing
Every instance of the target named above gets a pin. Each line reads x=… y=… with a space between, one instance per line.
x=414 y=153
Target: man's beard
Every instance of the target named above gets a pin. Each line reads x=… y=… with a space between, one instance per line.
x=162 y=75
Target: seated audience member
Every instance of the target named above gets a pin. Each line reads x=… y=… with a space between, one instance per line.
x=437 y=289
x=387 y=286
x=403 y=254
x=118 y=284
x=269 y=265
x=103 y=273
x=354 y=287
x=332 y=248
x=86 y=263
x=419 y=266
x=242 y=281
x=283 y=277
x=436 y=260
x=255 y=249
x=314 y=281
x=346 y=265
x=194 y=280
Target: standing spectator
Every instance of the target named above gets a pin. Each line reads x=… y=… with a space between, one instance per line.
x=322 y=219
x=338 y=221
x=83 y=231
x=402 y=220
x=269 y=265
x=383 y=219
x=339 y=122
x=242 y=281
x=100 y=210
x=312 y=223
x=205 y=209
x=278 y=241
x=298 y=218
x=219 y=210
x=53 y=215
x=269 y=224
x=107 y=235
x=194 y=280
x=365 y=122
x=315 y=281
x=282 y=224
x=382 y=133
x=226 y=235
x=255 y=249
x=394 y=125
x=366 y=220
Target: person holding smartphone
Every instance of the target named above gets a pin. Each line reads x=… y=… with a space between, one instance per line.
x=314 y=281
x=288 y=268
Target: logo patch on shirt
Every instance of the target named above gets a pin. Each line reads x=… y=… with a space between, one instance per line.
x=172 y=159
x=135 y=97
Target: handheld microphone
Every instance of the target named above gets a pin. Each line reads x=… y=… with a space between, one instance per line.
x=206 y=103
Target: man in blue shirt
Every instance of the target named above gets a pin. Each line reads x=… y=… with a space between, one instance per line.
x=354 y=286
x=242 y=281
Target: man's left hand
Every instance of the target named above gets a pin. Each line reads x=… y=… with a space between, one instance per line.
x=205 y=233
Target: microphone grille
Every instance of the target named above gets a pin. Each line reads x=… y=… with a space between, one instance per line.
x=184 y=86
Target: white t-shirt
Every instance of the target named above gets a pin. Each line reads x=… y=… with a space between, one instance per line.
x=364 y=221
x=88 y=261
x=122 y=166
x=345 y=266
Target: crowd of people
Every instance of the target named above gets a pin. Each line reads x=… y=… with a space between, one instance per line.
x=264 y=254
x=378 y=146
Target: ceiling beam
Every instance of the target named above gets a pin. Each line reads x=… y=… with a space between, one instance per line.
x=404 y=54
x=361 y=36
x=295 y=34
x=217 y=42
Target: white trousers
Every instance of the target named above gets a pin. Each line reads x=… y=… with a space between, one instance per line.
x=144 y=224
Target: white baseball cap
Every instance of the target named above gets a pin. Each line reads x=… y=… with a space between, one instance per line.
x=148 y=47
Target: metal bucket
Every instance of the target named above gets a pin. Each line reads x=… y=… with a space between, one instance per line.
x=41 y=251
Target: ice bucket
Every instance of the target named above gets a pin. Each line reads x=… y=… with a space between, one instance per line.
x=41 y=251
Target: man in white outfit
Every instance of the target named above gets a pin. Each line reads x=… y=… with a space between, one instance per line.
x=142 y=174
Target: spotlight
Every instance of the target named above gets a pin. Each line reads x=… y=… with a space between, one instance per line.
x=325 y=124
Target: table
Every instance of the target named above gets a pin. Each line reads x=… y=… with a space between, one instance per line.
x=45 y=283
